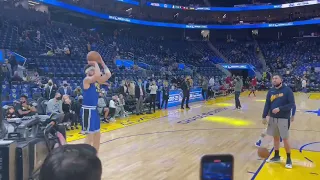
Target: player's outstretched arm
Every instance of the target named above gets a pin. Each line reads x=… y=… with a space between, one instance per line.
x=106 y=75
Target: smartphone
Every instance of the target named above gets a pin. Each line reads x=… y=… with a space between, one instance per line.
x=217 y=167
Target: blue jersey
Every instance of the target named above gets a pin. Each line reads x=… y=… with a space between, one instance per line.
x=90 y=96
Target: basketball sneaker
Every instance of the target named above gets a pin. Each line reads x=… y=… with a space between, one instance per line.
x=289 y=164
x=258 y=143
x=274 y=159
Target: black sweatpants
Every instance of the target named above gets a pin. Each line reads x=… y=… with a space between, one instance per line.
x=186 y=96
x=153 y=102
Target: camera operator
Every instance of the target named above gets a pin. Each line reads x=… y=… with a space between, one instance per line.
x=25 y=109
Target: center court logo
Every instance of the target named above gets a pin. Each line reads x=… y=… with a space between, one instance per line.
x=194 y=118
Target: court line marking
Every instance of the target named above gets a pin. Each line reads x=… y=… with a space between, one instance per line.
x=305 y=145
x=176 y=110
x=261 y=165
x=308 y=144
x=185 y=130
x=300 y=150
x=162 y=132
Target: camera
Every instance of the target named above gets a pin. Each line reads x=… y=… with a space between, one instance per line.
x=24 y=150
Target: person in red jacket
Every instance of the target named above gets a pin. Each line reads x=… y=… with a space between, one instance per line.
x=253 y=86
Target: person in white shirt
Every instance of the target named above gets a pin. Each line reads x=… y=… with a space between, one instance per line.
x=112 y=108
x=120 y=106
x=304 y=85
x=153 y=95
x=211 y=88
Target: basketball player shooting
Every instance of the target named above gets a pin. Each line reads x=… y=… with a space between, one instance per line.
x=90 y=115
x=279 y=104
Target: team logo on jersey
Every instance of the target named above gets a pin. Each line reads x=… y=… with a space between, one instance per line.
x=275 y=96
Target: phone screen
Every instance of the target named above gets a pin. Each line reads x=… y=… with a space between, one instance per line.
x=217 y=167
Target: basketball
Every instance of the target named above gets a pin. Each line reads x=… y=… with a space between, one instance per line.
x=263 y=153
x=94 y=56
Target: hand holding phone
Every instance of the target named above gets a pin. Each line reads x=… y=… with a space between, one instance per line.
x=217 y=167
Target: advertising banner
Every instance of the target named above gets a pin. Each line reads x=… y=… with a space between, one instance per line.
x=175 y=96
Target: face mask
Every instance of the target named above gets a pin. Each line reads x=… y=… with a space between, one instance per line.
x=139 y=83
x=50 y=84
x=80 y=100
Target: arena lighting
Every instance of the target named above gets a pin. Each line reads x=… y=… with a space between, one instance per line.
x=234 y=9
x=227 y=120
x=174 y=25
x=33 y=3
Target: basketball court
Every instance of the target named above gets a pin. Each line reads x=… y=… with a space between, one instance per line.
x=168 y=145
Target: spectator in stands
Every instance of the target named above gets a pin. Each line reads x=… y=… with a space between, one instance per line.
x=121 y=104
x=65 y=89
x=72 y=161
x=11 y=113
x=50 y=90
x=16 y=77
x=297 y=84
x=54 y=105
x=88 y=47
x=112 y=108
x=304 y=85
x=69 y=113
x=205 y=87
x=5 y=71
x=147 y=86
x=25 y=109
x=77 y=92
x=165 y=94
x=67 y=51
x=103 y=108
x=131 y=89
x=211 y=87
x=9 y=67
x=140 y=95
x=49 y=53
x=77 y=107
x=153 y=95
x=123 y=88
x=13 y=62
